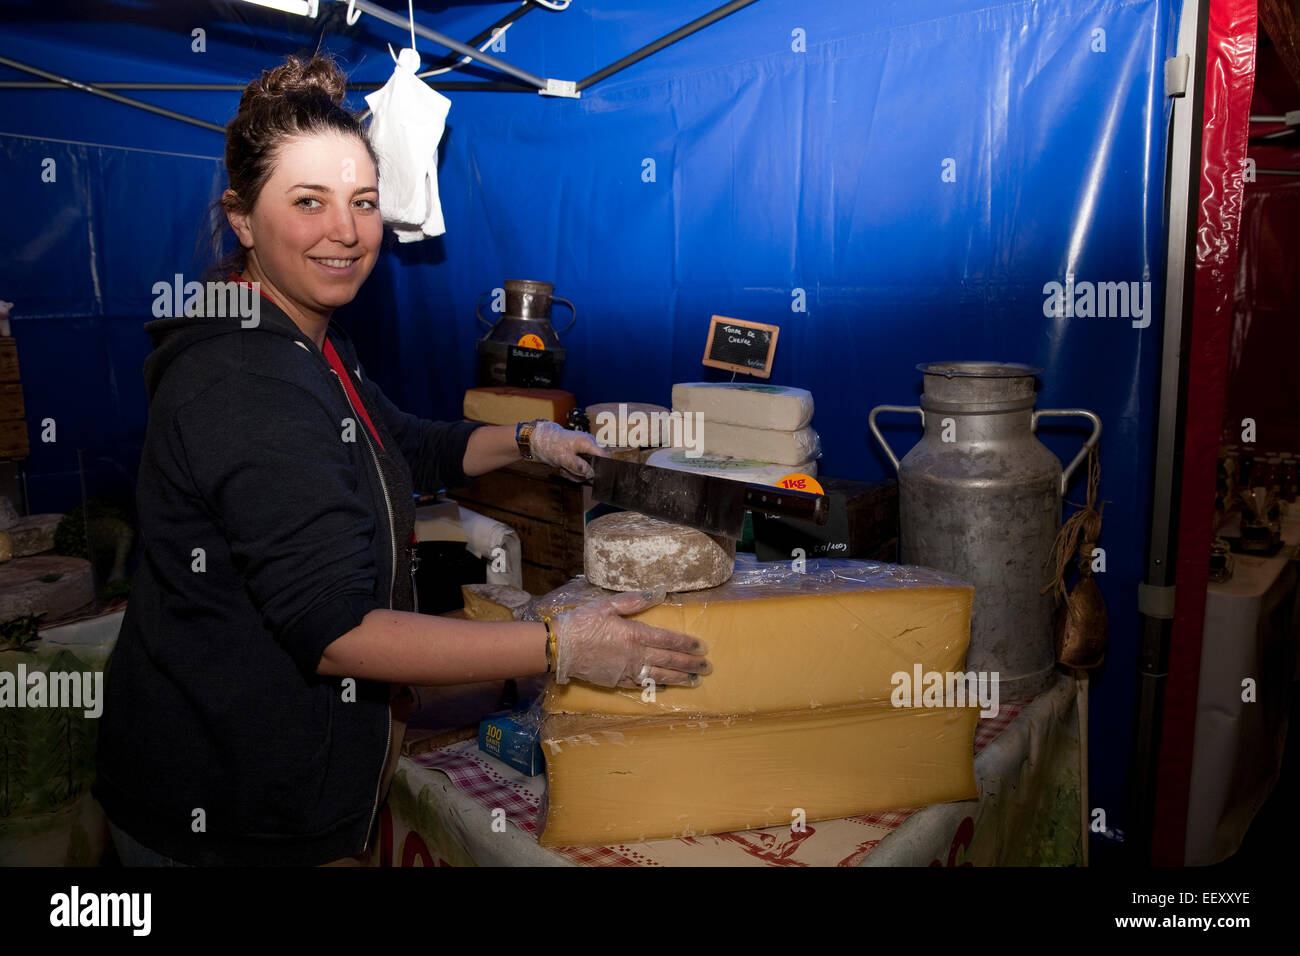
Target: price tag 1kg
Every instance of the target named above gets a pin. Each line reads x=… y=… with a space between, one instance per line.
x=801 y=482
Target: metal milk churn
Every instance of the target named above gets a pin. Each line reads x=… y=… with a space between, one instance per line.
x=980 y=497
x=522 y=348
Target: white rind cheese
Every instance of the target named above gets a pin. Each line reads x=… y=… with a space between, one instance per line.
x=762 y=444
x=780 y=407
x=628 y=551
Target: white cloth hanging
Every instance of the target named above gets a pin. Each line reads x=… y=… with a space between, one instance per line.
x=408 y=119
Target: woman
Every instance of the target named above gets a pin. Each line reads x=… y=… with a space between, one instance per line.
x=247 y=715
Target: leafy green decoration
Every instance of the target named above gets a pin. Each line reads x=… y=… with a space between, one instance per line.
x=18 y=633
x=13 y=760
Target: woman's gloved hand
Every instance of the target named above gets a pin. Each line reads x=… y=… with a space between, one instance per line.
x=596 y=644
x=559 y=447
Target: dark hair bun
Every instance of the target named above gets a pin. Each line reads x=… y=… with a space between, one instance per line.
x=296 y=78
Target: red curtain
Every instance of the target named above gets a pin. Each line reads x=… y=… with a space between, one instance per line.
x=1229 y=82
x=1262 y=383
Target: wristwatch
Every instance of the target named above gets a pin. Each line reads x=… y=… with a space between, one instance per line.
x=524 y=438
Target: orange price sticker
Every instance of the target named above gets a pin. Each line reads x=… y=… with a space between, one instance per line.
x=801 y=482
x=531 y=341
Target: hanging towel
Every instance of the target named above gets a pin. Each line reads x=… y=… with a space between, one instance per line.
x=408 y=118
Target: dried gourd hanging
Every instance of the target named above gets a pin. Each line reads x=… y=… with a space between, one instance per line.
x=1081 y=622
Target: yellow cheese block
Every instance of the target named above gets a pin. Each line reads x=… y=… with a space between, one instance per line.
x=492 y=602
x=504 y=405
x=781 y=640
x=625 y=780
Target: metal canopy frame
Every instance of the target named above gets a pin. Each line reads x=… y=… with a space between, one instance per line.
x=521 y=80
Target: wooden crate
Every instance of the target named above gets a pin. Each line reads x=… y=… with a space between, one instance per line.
x=8 y=360
x=13 y=422
x=11 y=403
x=13 y=439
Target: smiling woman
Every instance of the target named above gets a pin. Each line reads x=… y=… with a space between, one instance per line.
x=252 y=709
x=304 y=192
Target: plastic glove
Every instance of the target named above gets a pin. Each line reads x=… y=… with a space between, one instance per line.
x=559 y=447
x=596 y=644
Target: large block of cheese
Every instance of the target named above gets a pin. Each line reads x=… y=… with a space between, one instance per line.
x=781 y=639
x=493 y=602
x=747 y=470
x=762 y=444
x=506 y=405
x=746 y=403
x=619 y=780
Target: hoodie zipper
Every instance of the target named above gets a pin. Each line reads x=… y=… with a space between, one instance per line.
x=392 y=576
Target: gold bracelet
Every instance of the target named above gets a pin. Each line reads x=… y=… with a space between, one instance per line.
x=550 y=645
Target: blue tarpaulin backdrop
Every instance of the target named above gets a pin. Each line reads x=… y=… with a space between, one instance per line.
x=911 y=172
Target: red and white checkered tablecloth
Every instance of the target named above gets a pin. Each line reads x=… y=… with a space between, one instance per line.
x=844 y=842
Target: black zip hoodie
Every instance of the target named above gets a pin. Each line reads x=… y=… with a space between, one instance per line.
x=271 y=526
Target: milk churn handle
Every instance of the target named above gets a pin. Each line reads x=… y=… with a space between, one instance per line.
x=556 y=298
x=478 y=303
x=1090 y=443
x=871 y=422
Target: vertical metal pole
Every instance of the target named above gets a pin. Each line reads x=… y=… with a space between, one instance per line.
x=1155 y=604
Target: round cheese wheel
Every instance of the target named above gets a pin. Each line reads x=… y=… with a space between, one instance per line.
x=627 y=551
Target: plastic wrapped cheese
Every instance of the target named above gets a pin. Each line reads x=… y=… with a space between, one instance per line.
x=625 y=780
x=746 y=403
x=787 y=636
x=762 y=444
x=493 y=602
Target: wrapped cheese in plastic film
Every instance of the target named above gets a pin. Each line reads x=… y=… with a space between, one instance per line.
x=625 y=780
x=791 y=636
x=763 y=444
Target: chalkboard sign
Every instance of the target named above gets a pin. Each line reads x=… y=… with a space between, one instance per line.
x=738 y=346
x=528 y=367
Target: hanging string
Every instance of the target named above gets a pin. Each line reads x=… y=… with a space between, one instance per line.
x=1079 y=533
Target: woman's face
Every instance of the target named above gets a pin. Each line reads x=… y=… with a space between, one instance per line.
x=315 y=231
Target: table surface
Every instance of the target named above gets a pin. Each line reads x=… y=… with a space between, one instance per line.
x=1253 y=575
x=1238 y=745
x=490 y=785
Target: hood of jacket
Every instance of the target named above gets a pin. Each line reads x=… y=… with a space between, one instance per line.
x=171 y=337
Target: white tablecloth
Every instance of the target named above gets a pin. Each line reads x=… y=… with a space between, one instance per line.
x=1250 y=632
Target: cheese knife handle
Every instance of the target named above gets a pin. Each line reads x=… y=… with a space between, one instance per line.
x=771 y=500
